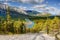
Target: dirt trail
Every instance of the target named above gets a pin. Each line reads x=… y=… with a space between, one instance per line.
x=27 y=37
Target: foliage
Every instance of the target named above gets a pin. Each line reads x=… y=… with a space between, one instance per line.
x=49 y=25
x=10 y=26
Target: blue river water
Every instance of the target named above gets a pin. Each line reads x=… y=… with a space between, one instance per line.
x=30 y=23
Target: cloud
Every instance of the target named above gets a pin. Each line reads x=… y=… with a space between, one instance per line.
x=39 y=1
x=23 y=7
x=53 y=10
x=27 y=1
x=31 y=1
x=40 y=7
x=46 y=8
x=5 y=2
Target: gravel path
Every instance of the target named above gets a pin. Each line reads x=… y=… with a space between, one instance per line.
x=26 y=37
x=44 y=37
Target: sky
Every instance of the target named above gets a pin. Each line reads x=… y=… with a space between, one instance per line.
x=50 y=6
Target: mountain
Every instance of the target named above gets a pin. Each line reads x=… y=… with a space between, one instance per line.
x=43 y=14
x=22 y=11
x=23 y=14
x=14 y=12
x=32 y=12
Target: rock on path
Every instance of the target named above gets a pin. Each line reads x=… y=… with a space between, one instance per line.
x=44 y=37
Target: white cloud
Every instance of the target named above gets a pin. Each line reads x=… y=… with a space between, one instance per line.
x=31 y=1
x=46 y=8
x=53 y=10
x=23 y=8
x=5 y=2
x=39 y=1
x=39 y=7
x=28 y=1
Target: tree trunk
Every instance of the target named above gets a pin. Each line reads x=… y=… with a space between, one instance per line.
x=56 y=38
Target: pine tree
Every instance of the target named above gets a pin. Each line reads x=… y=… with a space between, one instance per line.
x=8 y=14
x=0 y=24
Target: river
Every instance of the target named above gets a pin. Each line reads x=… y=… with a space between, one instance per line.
x=29 y=23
